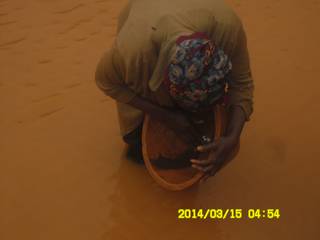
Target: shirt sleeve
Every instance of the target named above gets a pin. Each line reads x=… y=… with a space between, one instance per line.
x=240 y=87
x=108 y=78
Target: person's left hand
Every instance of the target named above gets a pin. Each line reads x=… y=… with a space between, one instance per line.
x=218 y=152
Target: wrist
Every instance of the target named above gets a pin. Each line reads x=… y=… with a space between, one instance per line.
x=233 y=139
x=235 y=123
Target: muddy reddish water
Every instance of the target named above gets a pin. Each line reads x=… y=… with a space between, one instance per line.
x=63 y=174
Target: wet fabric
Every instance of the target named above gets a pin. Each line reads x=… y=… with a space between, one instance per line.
x=134 y=142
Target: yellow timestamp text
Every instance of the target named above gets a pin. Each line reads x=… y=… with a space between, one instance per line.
x=228 y=214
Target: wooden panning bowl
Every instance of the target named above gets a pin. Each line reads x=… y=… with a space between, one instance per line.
x=159 y=140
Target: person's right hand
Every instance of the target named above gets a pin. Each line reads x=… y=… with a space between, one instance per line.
x=173 y=119
x=179 y=123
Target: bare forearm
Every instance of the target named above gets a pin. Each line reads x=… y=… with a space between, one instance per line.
x=172 y=119
x=236 y=122
x=148 y=107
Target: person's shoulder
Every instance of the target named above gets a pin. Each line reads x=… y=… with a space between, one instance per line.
x=107 y=63
x=105 y=59
x=102 y=65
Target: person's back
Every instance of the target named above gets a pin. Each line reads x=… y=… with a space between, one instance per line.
x=147 y=28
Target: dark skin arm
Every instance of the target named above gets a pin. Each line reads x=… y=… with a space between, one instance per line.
x=218 y=150
x=175 y=120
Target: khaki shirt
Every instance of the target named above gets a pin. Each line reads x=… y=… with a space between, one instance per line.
x=147 y=30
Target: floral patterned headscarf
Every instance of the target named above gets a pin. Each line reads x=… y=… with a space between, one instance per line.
x=196 y=74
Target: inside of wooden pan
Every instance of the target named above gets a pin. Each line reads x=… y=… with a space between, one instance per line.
x=162 y=144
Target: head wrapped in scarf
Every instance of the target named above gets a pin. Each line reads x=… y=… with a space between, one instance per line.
x=196 y=74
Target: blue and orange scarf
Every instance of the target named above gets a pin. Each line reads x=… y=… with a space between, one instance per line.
x=196 y=76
